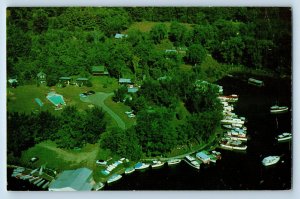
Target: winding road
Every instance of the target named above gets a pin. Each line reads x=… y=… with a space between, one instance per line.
x=98 y=100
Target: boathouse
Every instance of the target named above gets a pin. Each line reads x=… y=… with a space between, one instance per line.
x=73 y=180
x=203 y=157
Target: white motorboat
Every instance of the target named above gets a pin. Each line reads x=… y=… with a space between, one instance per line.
x=270 y=160
x=278 y=109
x=284 y=137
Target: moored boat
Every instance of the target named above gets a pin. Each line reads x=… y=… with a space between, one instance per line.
x=129 y=170
x=98 y=186
x=270 y=160
x=232 y=145
x=157 y=164
x=141 y=166
x=173 y=162
x=114 y=178
x=192 y=162
x=284 y=137
x=278 y=109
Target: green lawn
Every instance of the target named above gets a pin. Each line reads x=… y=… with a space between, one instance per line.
x=146 y=26
x=62 y=159
x=21 y=99
x=104 y=84
x=119 y=109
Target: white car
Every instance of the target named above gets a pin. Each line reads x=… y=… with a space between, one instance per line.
x=131 y=115
x=129 y=112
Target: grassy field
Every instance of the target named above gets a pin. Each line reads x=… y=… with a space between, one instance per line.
x=146 y=26
x=119 y=109
x=21 y=99
x=104 y=84
x=62 y=159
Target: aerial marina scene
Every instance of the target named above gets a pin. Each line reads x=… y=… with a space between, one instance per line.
x=149 y=98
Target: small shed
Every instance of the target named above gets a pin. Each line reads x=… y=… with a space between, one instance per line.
x=120 y=36
x=41 y=77
x=99 y=70
x=13 y=82
x=73 y=180
x=65 y=80
x=124 y=81
x=81 y=81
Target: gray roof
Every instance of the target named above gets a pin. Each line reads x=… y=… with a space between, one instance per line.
x=76 y=179
x=120 y=36
x=132 y=90
x=123 y=80
x=82 y=79
x=65 y=78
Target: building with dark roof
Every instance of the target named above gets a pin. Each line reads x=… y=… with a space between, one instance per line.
x=73 y=180
x=99 y=70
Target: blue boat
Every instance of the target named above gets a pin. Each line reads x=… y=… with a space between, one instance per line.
x=114 y=178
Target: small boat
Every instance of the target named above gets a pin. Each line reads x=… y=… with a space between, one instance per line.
x=129 y=170
x=278 y=109
x=114 y=178
x=32 y=179
x=270 y=160
x=192 y=162
x=45 y=185
x=99 y=186
x=173 y=162
x=157 y=164
x=255 y=82
x=232 y=145
x=284 y=137
x=40 y=183
x=141 y=166
x=39 y=180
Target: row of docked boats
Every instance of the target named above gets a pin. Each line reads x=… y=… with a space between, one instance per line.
x=23 y=174
x=140 y=166
x=235 y=132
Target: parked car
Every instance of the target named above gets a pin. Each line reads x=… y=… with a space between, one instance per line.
x=129 y=112
x=131 y=115
x=34 y=159
x=90 y=92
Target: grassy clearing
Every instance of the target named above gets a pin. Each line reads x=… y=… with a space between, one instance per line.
x=104 y=84
x=21 y=99
x=119 y=109
x=145 y=26
x=62 y=159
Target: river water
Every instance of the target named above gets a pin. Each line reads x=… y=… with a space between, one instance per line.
x=236 y=170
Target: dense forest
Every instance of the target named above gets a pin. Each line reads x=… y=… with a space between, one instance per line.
x=68 y=41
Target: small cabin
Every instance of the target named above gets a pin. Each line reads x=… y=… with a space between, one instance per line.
x=65 y=80
x=81 y=81
x=41 y=77
x=99 y=70
x=13 y=82
x=255 y=82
